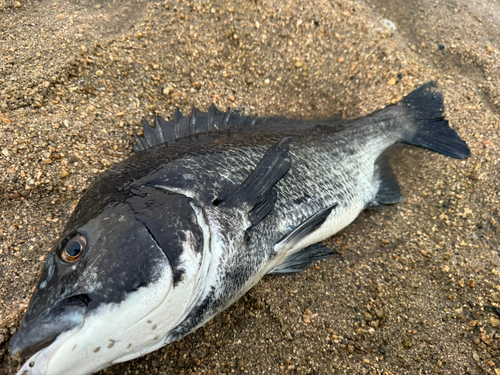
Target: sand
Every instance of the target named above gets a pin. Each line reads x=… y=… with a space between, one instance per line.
x=415 y=287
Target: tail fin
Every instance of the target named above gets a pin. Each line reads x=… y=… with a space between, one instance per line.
x=425 y=108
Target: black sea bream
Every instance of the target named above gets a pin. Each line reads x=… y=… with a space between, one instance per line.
x=209 y=204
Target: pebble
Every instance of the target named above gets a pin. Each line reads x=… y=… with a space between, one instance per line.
x=392 y=82
x=63 y=173
x=406 y=343
x=2 y=338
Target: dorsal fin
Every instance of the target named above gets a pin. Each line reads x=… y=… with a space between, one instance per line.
x=185 y=126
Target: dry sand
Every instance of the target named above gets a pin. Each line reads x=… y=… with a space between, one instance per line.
x=415 y=288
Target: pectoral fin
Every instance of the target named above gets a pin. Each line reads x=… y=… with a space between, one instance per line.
x=257 y=191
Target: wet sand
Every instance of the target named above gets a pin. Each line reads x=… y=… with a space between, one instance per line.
x=415 y=288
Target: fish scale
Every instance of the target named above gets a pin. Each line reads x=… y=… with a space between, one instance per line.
x=209 y=204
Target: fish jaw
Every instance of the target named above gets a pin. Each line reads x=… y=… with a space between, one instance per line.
x=38 y=333
x=109 y=333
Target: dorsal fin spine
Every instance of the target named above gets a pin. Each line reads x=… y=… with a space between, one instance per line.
x=159 y=130
x=192 y=122
x=225 y=120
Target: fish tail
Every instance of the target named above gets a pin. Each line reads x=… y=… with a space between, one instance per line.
x=430 y=129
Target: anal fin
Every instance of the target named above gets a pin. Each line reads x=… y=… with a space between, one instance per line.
x=257 y=191
x=302 y=259
x=389 y=191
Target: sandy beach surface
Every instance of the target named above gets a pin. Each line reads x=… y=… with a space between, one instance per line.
x=415 y=287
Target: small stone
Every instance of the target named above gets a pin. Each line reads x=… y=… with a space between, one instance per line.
x=47 y=161
x=5 y=152
x=298 y=64
x=350 y=348
x=413 y=48
x=120 y=114
x=99 y=73
x=406 y=343
x=2 y=339
x=476 y=357
x=461 y=282
x=267 y=81
x=341 y=60
x=474 y=177
x=490 y=50
x=379 y=313
x=64 y=173
x=258 y=305
x=497 y=371
x=249 y=80
x=494 y=322
x=486 y=338
x=196 y=85
x=4 y=105
x=392 y=82
x=18 y=4
x=368 y=317
x=472 y=284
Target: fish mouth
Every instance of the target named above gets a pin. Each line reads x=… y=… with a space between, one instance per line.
x=38 y=333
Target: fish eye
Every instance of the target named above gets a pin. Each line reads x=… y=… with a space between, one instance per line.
x=74 y=248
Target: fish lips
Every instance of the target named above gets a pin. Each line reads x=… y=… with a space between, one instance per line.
x=40 y=332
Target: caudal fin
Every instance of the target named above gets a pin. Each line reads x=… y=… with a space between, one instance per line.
x=425 y=109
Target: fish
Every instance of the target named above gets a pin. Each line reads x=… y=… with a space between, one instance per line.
x=207 y=205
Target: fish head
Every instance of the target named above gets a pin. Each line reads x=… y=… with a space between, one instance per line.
x=113 y=287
